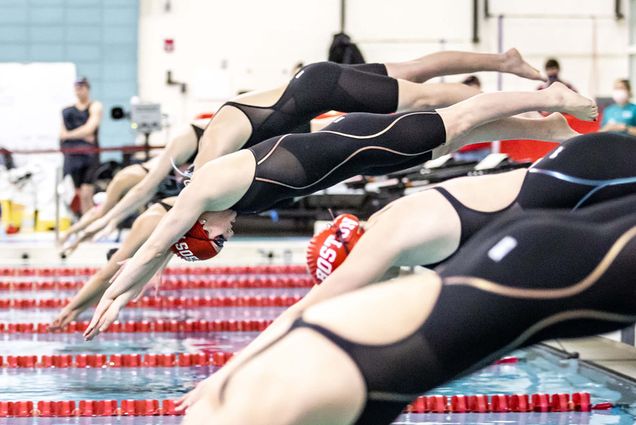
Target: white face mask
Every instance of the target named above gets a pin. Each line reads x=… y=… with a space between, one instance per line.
x=620 y=96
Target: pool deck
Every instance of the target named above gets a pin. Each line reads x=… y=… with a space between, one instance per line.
x=611 y=355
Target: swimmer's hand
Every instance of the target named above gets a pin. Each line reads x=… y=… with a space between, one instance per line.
x=66 y=316
x=65 y=237
x=108 y=229
x=202 y=389
x=201 y=413
x=69 y=247
x=107 y=311
x=155 y=281
x=127 y=283
x=109 y=306
x=96 y=226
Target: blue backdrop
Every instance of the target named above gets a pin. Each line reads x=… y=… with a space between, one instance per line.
x=98 y=36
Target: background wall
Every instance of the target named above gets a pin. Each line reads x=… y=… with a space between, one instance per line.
x=223 y=46
x=245 y=44
x=98 y=36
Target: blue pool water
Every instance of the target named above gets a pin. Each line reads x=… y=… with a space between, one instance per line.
x=208 y=313
x=124 y=343
x=540 y=370
x=223 y=292
x=100 y=384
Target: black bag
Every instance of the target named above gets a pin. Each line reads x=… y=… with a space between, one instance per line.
x=344 y=51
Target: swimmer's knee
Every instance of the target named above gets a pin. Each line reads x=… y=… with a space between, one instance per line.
x=318 y=67
x=318 y=75
x=457 y=123
x=86 y=190
x=149 y=218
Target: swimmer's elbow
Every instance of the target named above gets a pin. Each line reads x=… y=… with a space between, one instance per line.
x=153 y=253
x=143 y=191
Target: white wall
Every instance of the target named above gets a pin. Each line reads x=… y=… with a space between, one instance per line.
x=259 y=41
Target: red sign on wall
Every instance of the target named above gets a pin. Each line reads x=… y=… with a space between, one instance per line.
x=168 y=45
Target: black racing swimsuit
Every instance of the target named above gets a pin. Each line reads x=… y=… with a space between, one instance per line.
x=172 y=185
x=471 y=220
x=319 y=88
x=585 y=170
x=582 y=171
x=360 y=143
x=198 y=131
x=528 y=277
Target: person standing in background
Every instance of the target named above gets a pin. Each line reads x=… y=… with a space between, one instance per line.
x=621 y=115
x=80 y=130
x=552 y=69
x=472 y=81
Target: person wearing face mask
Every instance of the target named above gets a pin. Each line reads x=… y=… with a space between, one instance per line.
x=621 y=115
x=552 y=69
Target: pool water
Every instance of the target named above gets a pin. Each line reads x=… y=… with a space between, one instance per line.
x=208 y=313
x=223 y=292
x=102 y=383
x=539 y=370
x=123 y=343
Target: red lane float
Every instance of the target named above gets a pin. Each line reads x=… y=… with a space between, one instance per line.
x=187 y=326
x=71 y=408
x=520 y=403
x=424 y=404
x=540 y=402
x=516 y=402
x=507 y=360
x=165 y=302
x=218 y=270
x=167 y=284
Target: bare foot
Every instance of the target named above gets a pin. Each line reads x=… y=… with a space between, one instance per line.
x=558 y=128
x=566 y=100
x=513 y=63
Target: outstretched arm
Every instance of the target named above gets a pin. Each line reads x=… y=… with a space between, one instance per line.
x=97 y=284
x=364 y=265
x=147 y=260
x=178 y=150
x=232 y=176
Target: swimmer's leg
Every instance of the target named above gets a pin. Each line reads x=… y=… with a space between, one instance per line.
x=453 y=62
x=117 y=188
x=304 y=378
x=464 y=116
x=432 y=95
x=553 y=128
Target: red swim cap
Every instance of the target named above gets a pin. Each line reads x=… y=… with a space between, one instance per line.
x=329 y=248
x=195 y=244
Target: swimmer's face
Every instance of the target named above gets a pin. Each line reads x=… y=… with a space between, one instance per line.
x=552 y=72
x=81 y=91
x=218 y=224
x=620 y=85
